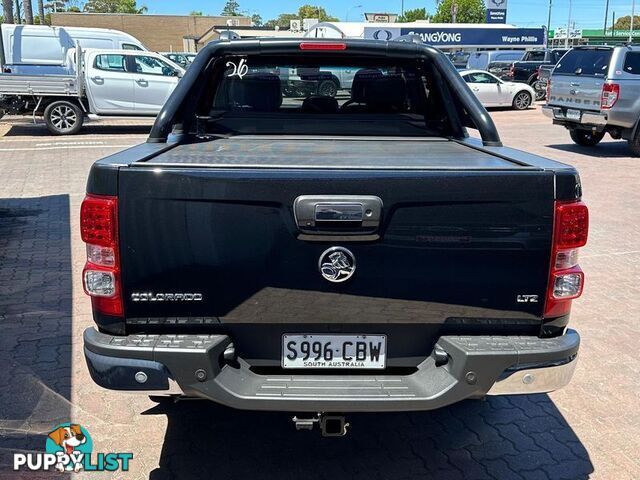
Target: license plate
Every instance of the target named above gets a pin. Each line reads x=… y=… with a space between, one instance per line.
x=334 y=351
x=573 y=114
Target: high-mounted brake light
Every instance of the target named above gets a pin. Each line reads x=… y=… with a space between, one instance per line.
x=101 y=274
x=610 y=95
x=322 y=46
x=566 y=279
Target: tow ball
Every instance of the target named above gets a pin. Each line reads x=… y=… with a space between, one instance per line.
x=331 y=425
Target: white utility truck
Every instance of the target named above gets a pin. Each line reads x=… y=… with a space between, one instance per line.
x=103 y=83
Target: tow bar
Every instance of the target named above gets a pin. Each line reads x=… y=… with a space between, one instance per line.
x=331 y=425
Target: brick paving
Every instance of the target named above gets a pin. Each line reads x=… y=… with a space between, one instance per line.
x=591 y=429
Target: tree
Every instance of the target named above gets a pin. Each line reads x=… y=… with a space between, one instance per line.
x=28 y=12
x=413 y=15
x=305 y=11
x=113 y=6
x=256 y=20
x=196 y=13
x=231 y=9
x=41 y=11
x=312 y=11
x=624 y=23
x=18 y=15
x=7 y=9
x=282 y=20
x=469 y=11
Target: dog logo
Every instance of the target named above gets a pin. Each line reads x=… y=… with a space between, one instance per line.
x=69 y=442
x=337 y=264
x=69 y=448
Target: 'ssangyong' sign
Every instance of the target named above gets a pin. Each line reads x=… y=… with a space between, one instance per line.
x=463 y=37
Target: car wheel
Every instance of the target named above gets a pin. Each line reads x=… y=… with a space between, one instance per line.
x=328 y=88
x=586 y=138
x=540 y=90
x=522 y=100
x=634 y=144
x=63 y=117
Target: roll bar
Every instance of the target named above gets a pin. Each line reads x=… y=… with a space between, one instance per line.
x=173 y=109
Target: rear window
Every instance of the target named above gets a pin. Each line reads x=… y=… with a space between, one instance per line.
x=325 y=98
x=594 y=62
x=112 y=63
x=632 y=63
x=506 y=56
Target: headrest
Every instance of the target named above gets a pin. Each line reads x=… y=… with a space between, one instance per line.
x=320 y=104
x=260 y=91
x=386 y=91
x=361 y=79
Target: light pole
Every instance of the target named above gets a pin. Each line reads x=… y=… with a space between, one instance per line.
x=549 y=17
x=566 y=40
x=351 y=8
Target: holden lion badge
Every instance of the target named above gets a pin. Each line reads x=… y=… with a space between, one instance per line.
x=337 y=264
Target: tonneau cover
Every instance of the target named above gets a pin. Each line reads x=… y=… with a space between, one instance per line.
x=332 y=152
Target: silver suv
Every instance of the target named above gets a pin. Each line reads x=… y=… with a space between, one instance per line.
x=596 y=90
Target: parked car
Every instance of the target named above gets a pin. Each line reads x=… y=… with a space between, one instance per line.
x=459 y=59
x=184 y=59
x=41 y=49
x=106 y=82
x=493 y=92
x=330 y=255
x=596 y=90
x=526 y=70
x=482 y=60
x=305 y=80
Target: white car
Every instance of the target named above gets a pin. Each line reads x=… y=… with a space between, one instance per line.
x=493 y=92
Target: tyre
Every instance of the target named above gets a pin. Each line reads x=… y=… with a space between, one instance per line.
x=586 y=138
x=63 y=117
x=540 y=89
x=634 y=145
x=522 y=100
x=328 y=88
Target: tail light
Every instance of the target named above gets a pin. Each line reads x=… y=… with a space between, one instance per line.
x=548 y=89
x=512 y=71
x=610 y=95
x=101 y=274
x=566 y=279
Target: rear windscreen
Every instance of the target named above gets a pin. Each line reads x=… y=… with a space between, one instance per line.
x=361 y=99
x=594 y=62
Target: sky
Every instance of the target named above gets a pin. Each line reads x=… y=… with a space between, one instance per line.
x=523 y=13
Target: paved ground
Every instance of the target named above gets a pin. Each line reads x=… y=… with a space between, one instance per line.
x=591 y=429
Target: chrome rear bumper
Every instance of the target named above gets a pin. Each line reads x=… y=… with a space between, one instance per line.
x=535 y=380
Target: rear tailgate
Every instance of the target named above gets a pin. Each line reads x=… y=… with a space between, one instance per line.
x=463 y=237
x=577 y=80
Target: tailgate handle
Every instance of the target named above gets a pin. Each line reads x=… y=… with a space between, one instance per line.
x=338 y=214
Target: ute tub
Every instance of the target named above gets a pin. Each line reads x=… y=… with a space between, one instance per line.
x=206 y=366
x=299 y=152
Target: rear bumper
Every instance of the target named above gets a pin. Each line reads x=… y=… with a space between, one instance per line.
x=204 y=366
x=586 y=118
